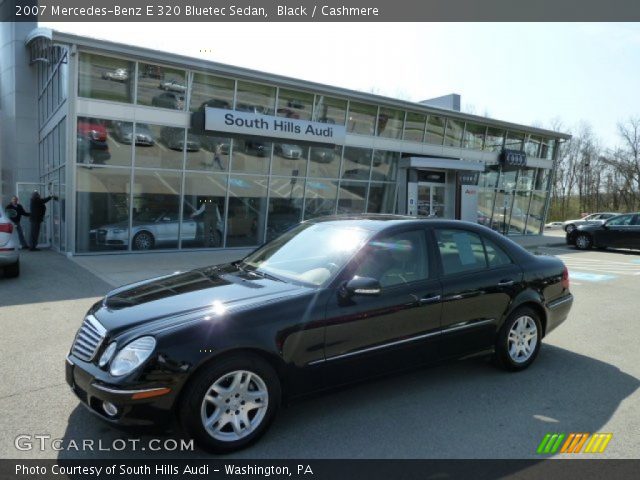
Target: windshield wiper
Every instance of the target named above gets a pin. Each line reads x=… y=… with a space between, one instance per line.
x=263 y=274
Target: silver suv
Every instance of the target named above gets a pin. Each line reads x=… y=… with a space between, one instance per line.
x=9 y=253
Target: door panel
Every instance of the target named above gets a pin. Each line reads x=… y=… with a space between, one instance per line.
x=369 y=335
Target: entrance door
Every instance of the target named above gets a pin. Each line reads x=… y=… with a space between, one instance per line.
x=24 y=191
x=431 y=200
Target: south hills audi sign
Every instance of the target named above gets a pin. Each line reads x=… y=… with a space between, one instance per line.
x=249 y=123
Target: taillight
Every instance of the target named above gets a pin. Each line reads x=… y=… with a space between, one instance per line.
x=565 y=278
x=6 y=227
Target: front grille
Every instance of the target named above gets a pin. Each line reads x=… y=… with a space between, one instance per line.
x=88 y=339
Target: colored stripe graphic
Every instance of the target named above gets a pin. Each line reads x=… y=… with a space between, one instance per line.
x=595 y=443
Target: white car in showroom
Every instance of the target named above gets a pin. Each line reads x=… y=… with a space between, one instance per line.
x=570 y=225
x=9 y=253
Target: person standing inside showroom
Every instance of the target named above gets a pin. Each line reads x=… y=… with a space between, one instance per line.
x=38 y=210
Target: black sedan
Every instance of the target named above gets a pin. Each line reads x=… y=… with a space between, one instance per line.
x=621 y=231
x=221 y=347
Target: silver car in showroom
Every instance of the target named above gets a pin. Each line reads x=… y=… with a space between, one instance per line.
x=9 y=253
x=288 y=150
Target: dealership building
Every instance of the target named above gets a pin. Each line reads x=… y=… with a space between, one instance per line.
x=145 y=149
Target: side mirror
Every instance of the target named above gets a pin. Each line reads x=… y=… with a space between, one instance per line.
x=605 y=226
x=362 y=286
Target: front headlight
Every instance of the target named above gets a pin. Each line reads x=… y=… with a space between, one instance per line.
x=132 y=356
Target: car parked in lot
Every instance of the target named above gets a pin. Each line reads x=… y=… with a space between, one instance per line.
x=9 y=253
x=222 y=346
x=172 y=86
x=322 y=154
x=117 y=75
x=594 y=218
x=288 y=150
x=621 y=231
x=553 y=225
x=173 y=138
x=123 y=133
x=171 y=100
x=92 y=146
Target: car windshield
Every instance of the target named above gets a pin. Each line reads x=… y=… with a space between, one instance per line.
x=309 y=253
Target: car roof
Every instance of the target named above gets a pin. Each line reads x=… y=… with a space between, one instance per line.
x=380 y=221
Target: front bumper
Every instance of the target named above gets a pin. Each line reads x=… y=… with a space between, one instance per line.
x=150 y=405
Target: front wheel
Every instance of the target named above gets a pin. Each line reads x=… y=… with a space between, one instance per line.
x=570 y=228
x=519 y=340
x=230 y=405
x=583 y=242
x=143 y=241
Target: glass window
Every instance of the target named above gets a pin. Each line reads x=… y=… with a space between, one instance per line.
x=536 y=211
x=247 y=210
x=162 y=147
x=414 y=127
x=495 y=255
x=362 y=118
x=56 y=147
x=488 y=178
x=501 y=211
x=324 y=161
x=519 y=212
x=329 y=110
x=105 y=78
x=453 y=137
x=485 y=206
x=203 y=210
x=435 y=130
x=251 y=155
x=514 y=140
x=255 y=98
x=547 y=147
x=494 y=139
x=507 y=180
x=62 y=201
x=285 y=205
x=162 y=87
x=210 y=91
x=382 y=198
x=289 y=159
x=532 y=145
x=385 y=165
x=294 y=104
x=102 y=208
x=525 y=179
x=156 y=209
x=390 y=122
x=99 y=143
x=460 y=251
x=356 y=163
x=620 y=220
x=213 y=154
x=320 y=198
x=474 y=136
x=62 y=131
x=542 y=179
x=352 y=197
x=396 y=259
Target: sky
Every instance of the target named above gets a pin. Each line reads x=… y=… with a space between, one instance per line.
x=528 y=73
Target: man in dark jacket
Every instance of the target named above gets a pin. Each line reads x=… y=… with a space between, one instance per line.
x=38 y=209
x=15 y=211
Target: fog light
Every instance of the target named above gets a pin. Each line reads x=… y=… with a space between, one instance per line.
x=110 y=409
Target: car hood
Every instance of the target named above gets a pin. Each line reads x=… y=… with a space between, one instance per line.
x=183 y=297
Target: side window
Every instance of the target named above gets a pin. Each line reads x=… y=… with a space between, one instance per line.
x=620 y=220
x=636 y=220
x=460 y=251
x=396 y=259
x=495 y=255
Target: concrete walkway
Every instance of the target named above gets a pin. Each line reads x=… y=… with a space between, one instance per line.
x=126 y=268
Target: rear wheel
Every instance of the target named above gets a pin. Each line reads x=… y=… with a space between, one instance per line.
x=519 y=339
x=12 y=271
x=230 y=405
x=583 y=241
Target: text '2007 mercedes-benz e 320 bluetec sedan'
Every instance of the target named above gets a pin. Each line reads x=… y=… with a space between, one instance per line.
x=328 y=302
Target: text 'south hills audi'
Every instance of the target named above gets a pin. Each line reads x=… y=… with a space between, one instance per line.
x=330 y=301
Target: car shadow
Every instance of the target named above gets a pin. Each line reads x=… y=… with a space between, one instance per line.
x=466 y=409
x=47 y=276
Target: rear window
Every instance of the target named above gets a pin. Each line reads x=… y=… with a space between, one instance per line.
x=460 y=251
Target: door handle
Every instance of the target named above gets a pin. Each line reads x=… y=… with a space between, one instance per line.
x=428 y=300
x=505 y=283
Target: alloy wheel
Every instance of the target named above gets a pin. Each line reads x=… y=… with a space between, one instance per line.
x=234 y=405
x=143 y=241
x=522 y=339
x=583 y=242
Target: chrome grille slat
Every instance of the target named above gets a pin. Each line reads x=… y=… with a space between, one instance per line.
x=88 y=339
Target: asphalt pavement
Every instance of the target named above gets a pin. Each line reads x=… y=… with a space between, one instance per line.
x=586 y=379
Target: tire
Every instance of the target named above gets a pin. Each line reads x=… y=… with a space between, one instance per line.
x=583 y=242
x=197 y=404
x=12 y=271
x=570 y=228
x=143 y=241
x=513 y=350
